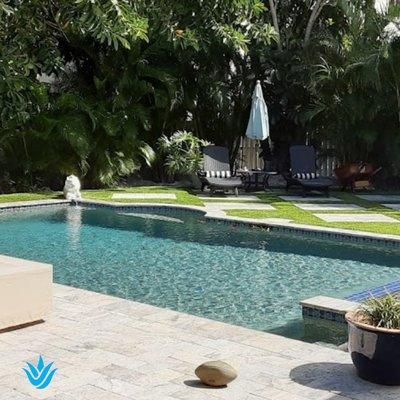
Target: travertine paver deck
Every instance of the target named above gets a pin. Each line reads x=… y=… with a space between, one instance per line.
x=229 y=198
x=106 y=348
x=311 y=199
x=327 y=206
x=169 y=196
x=392 y=206
x=357 y=218
x=380 y=198
x=330 y=304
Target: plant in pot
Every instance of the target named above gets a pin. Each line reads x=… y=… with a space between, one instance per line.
x=374 y=340
x=183 y=156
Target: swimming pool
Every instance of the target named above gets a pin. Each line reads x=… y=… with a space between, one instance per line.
x=240 y=275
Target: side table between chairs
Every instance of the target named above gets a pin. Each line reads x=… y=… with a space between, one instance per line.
x=261 y=178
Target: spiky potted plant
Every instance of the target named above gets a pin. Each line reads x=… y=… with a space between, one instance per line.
x=374 y=340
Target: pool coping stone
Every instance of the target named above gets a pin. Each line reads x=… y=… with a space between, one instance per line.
x=329 y=308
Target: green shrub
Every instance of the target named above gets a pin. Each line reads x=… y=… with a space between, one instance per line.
x=183 y=152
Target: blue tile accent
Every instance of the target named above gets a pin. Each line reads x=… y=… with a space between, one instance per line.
x=25 y=206
x=379 y=291
x=147 y=207
x=323 y=314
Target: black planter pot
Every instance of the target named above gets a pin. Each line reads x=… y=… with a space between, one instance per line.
x=375 y=352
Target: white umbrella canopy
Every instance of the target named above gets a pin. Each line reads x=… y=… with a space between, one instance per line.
x=258 y=126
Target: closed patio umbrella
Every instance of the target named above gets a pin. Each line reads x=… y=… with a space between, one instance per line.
x=258 y=126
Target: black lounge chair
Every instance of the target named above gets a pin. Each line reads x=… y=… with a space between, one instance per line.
x=304 y=171
x=216 y=173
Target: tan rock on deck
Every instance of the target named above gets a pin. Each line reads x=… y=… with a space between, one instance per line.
x=25 y=291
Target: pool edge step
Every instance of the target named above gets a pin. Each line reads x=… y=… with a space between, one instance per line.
x=329 y=308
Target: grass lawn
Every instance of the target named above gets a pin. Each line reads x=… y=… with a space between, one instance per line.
x=283 y=209
x=5 y=198
x=183 y=196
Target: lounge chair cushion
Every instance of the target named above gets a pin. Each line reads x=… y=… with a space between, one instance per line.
x=306 y=175
x=218 y=174
x=322 y=182
x=224 y=182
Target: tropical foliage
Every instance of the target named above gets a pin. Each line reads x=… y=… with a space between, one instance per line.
x=182 y=152
x=355 y=87
x=90 y=87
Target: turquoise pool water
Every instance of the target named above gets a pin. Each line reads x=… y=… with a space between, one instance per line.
x=244 y=276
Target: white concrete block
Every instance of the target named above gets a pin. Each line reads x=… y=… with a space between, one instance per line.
x=327 y=206
x=25 y=291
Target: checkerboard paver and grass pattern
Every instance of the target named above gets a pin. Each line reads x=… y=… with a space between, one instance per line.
x=285 y=205
x=288 y=209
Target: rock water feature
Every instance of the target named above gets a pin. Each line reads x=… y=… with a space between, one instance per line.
x=72 y=188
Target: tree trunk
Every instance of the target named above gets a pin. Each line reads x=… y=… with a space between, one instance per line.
x=272 y=5
x=397 y=89
x=316 y=11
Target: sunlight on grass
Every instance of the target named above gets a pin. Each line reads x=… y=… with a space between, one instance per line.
x=183 y=196
x=5 y=198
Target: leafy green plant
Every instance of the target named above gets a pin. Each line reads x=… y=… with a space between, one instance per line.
x=92 y=90
x=382 y=312
x=183 y=152
x=98 y=83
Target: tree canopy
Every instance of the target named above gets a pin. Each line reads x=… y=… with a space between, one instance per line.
x=89 y=86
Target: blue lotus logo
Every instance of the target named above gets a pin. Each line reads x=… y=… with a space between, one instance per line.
x=40 y=375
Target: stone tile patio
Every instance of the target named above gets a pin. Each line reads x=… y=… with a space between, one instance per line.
x=327 y=206
x=106 y=348
x=357 y=218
